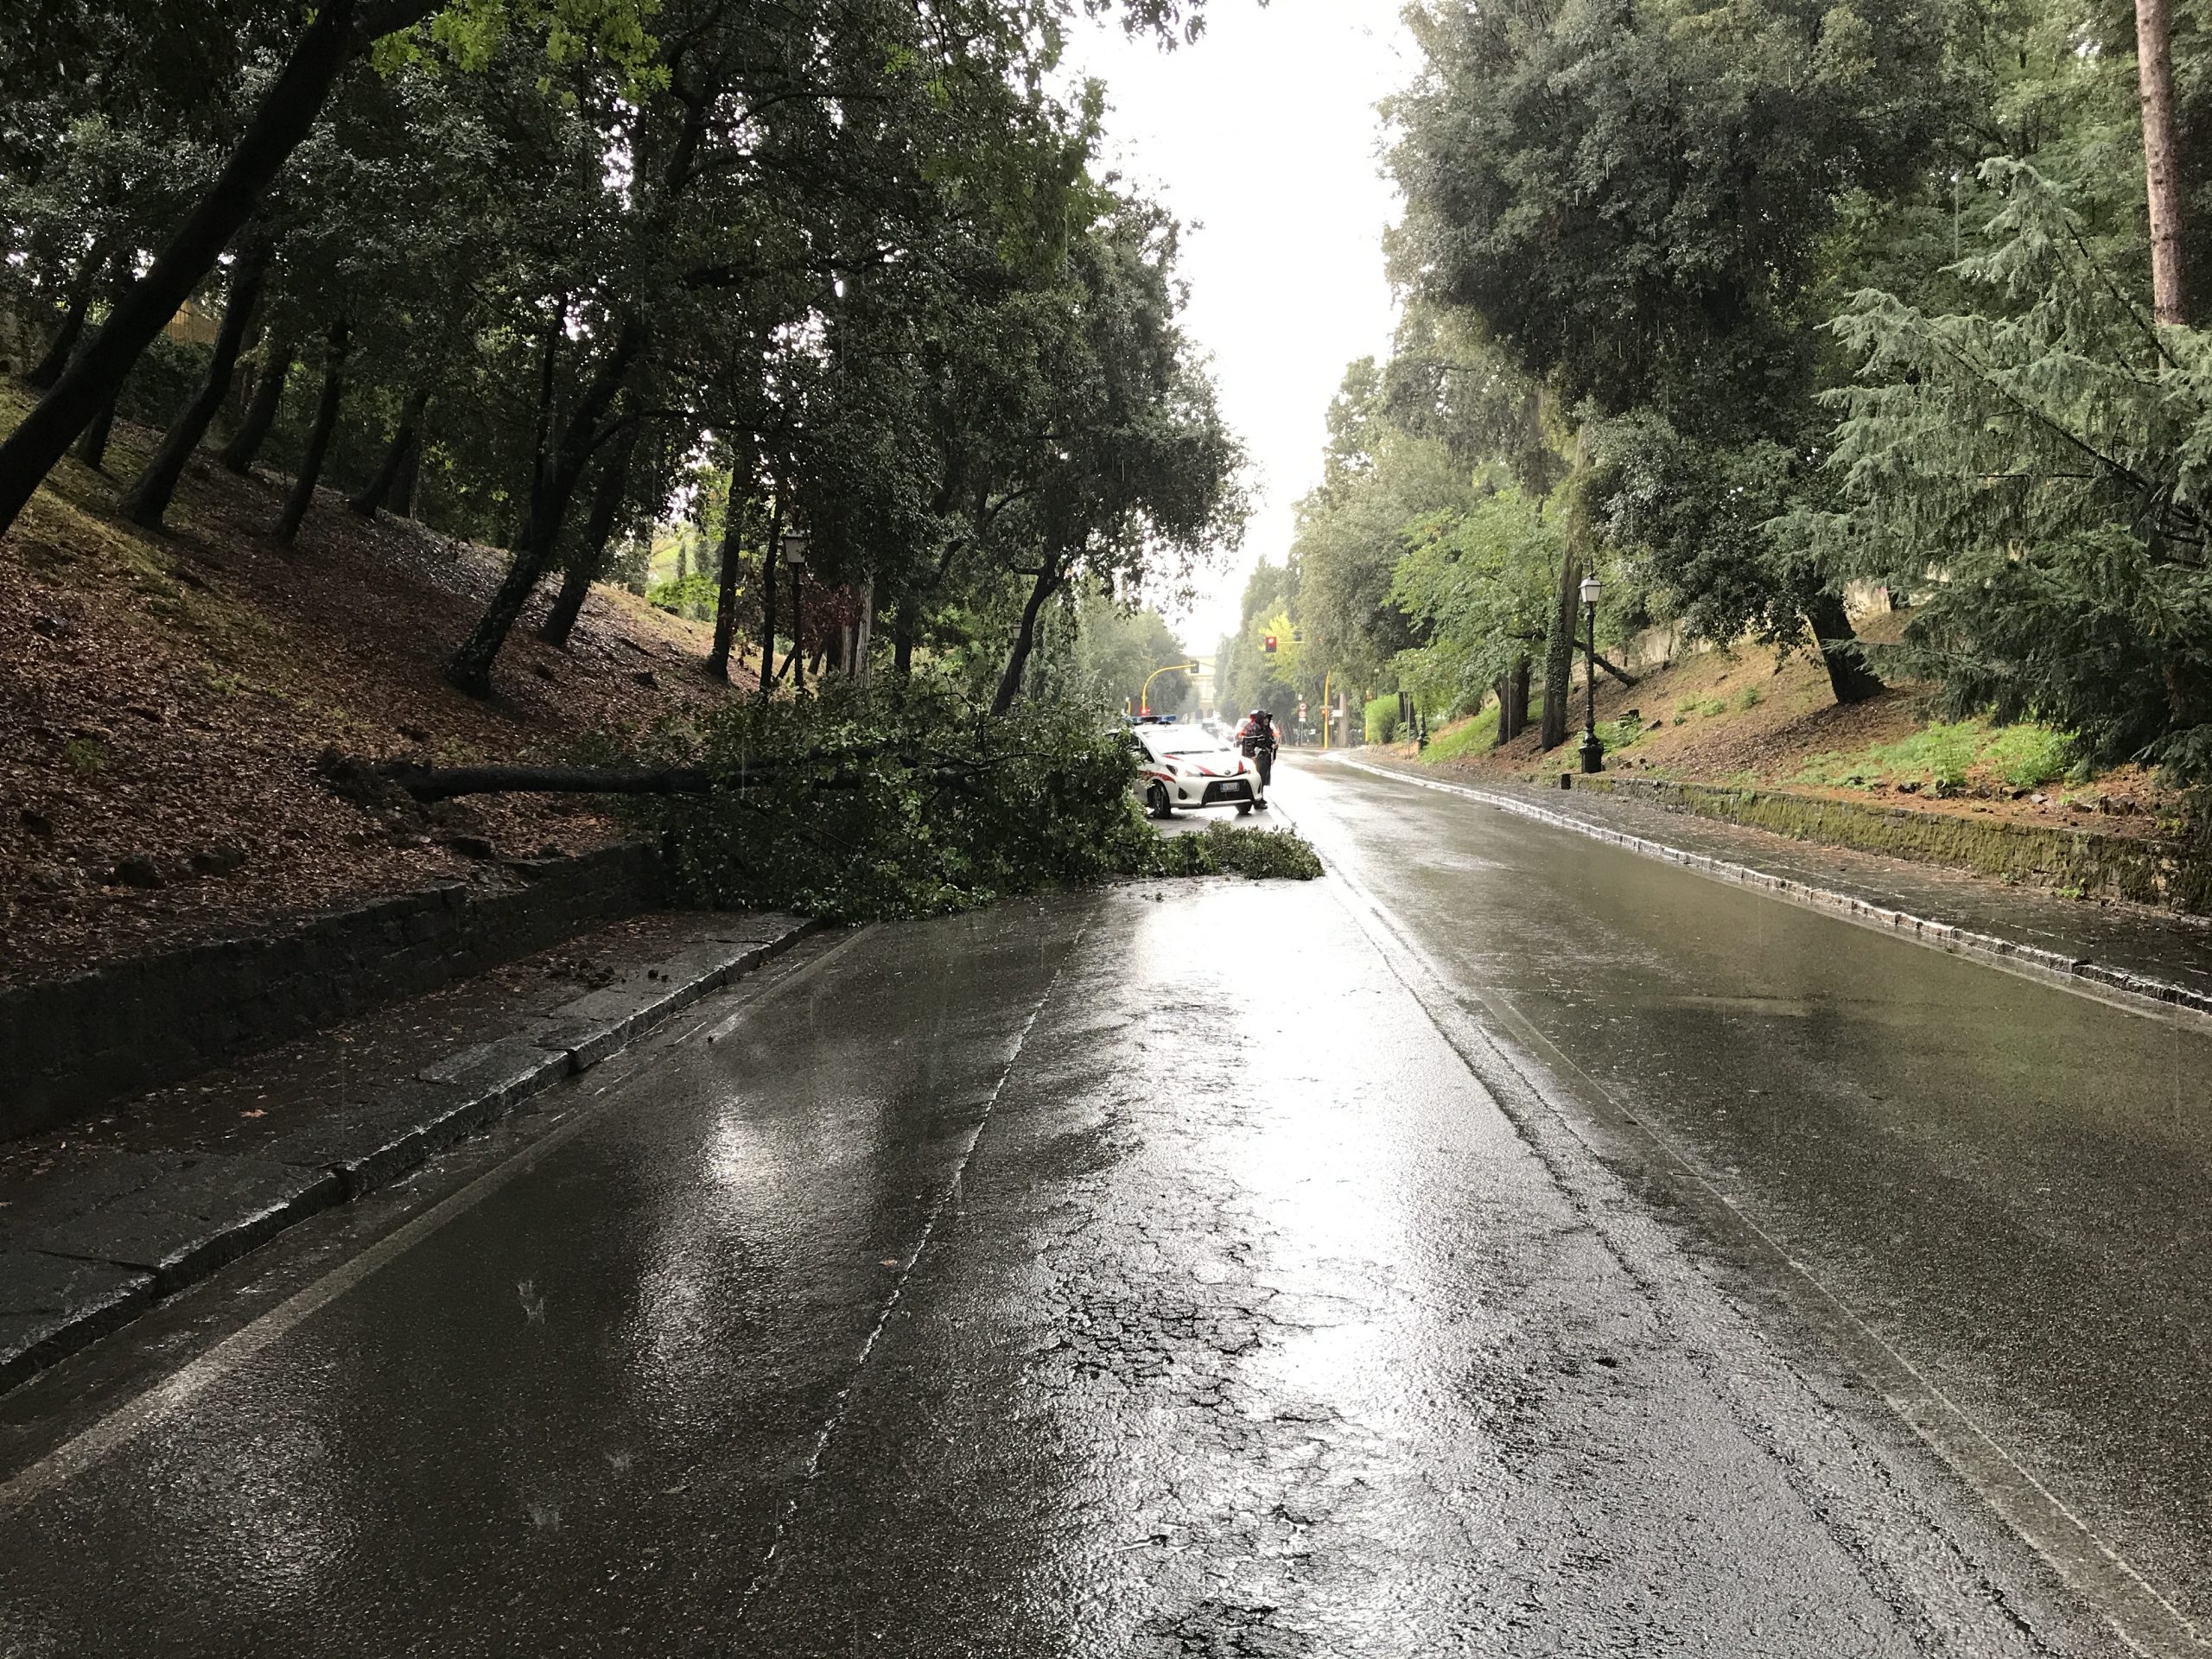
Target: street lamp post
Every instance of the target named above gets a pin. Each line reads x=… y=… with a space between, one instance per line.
x=795 y=561
x=1144 y=696
x=1594 y=750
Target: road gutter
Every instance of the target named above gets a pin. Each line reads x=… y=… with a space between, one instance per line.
x=2084 y=977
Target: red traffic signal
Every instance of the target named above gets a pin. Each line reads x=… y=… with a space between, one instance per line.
x=1270 y=646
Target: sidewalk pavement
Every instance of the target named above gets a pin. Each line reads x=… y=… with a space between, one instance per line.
x=2143 y=954
x=100 y=1219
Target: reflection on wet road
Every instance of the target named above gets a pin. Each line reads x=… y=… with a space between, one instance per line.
x=1147 y=1273
x=2010 y=1184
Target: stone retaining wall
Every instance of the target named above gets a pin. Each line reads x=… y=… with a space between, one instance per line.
x=69 y=1045
x=2145 y=871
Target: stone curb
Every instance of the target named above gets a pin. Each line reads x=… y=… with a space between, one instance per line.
x=2073 y=972
x=141 y=1227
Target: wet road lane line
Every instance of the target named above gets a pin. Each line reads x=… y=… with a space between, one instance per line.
x=2115 y=987
x=170 y=1396
x=772 y=1562
x=2105 y=1580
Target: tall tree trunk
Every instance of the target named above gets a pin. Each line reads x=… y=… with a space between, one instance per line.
x=768 y=555
x=1848 y=675
x=240 y=395
x=401 y=502
x=2154 y=74
x=1512 y=703
x=590 y=555
x=1559 y=650
x=902 y=642
x=239 y=454
x=279 y=122
x=91 y=443
x=796 y=661
x=49 y=368
x=325 y=421
x=554 y=481
x=1025 y=638
x=405 y=437
x=148 y=499
x=733 y=550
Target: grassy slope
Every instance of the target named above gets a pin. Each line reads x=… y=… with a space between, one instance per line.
x=1743 y=717
x=164 y=698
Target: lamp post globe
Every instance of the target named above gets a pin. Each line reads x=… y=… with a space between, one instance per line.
x=1594 y=748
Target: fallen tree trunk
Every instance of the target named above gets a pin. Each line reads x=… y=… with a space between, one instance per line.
x=443 y=783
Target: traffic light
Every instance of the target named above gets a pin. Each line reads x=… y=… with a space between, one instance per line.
x=1270 y=646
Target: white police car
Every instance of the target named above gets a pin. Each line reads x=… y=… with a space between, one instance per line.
x=1186 y=765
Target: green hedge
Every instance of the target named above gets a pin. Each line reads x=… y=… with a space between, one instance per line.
x=1382 y=718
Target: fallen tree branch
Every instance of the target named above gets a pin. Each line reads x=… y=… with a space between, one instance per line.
x=1624 y=678
x=443 y=783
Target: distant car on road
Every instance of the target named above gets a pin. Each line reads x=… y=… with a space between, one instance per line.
x=1187 y=766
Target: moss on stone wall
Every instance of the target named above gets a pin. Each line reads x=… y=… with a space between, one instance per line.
x=2145 y=872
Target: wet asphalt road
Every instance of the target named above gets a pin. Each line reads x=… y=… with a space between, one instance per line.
x=1210 y=1270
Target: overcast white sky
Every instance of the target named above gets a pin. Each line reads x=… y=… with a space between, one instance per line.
x=1264 y=139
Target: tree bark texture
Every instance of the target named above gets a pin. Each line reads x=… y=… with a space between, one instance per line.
x=1512 y=704
x=95 y=376
x=733 y=550
x=553 y=483
x=796 y=661
x=401 y=502
x=1848 y=675
x=325 y=421
x=1558 y=651
x=239 y=453
x=1025 y=638
x=49 y=368
x=590 y=556
x=2154 y=75
x=148 y=499
x=768 y=598
x=427 y=784
x=444 y=783
x=91 y=443
x=377 y=491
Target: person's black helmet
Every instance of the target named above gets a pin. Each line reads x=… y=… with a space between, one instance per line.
x=1259 y=714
